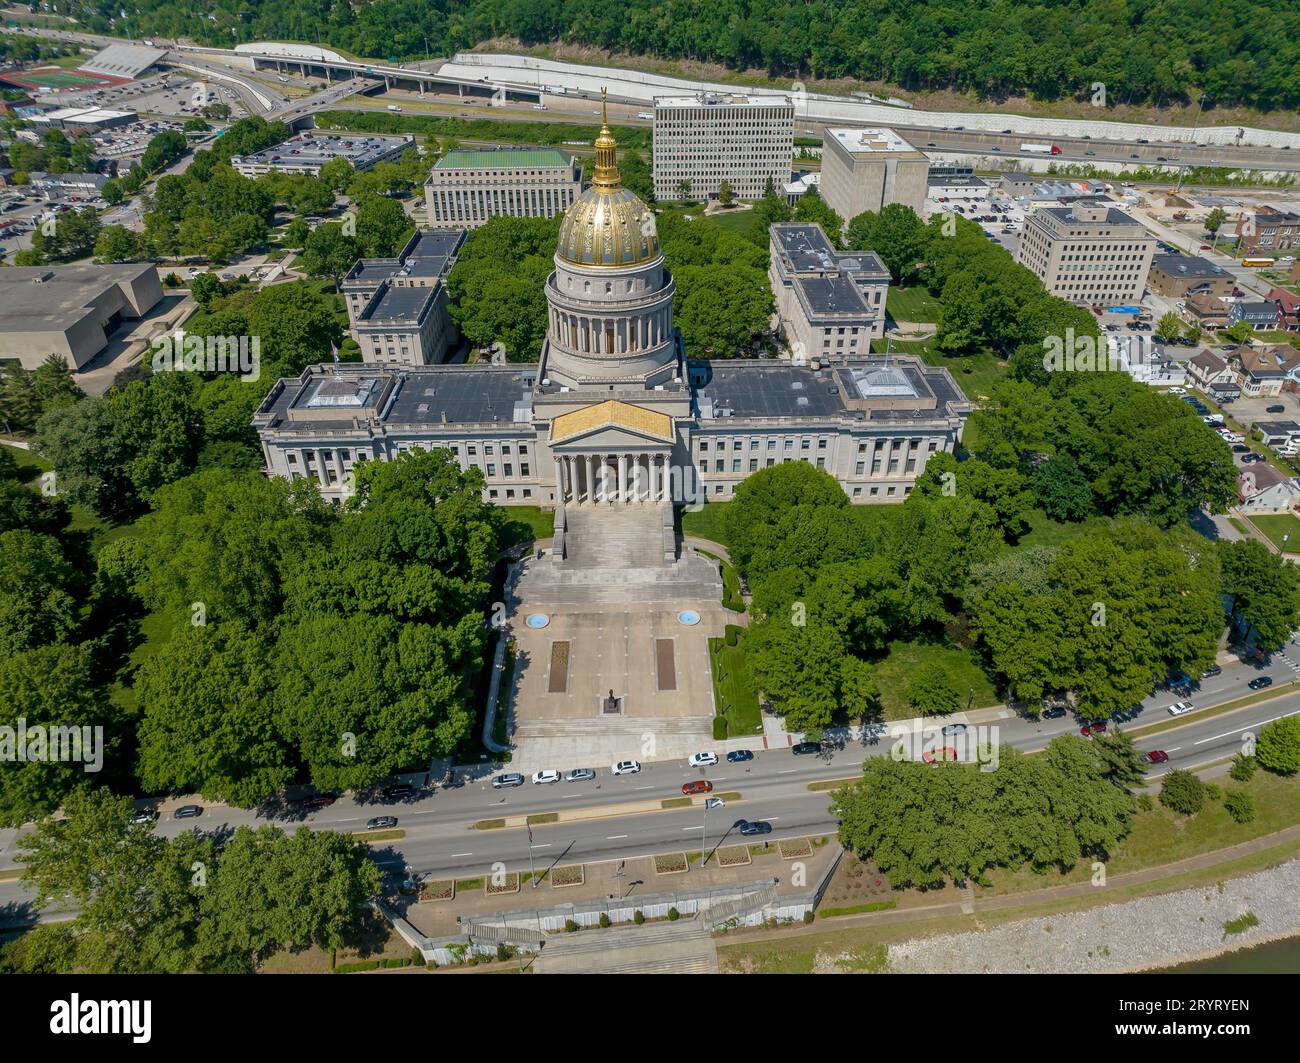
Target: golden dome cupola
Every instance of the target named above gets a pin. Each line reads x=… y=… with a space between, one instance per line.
x=608 y=225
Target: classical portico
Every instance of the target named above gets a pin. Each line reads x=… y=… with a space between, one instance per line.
x=608 y=478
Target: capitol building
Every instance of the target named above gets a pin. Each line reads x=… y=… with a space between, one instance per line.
x=616 y=412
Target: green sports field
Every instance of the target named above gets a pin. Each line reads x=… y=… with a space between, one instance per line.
x=58 y=79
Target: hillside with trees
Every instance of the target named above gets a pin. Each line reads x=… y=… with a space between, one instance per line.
x=1241 y=52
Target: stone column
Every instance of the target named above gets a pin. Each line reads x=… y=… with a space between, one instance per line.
x=621 y=493
x=559 y=481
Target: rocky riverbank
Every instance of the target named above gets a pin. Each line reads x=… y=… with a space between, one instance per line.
x=1149 y=932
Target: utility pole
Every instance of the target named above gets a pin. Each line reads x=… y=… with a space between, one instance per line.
x=531 y=866
x=1183 y=169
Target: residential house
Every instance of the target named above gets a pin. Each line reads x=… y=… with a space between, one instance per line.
x=1266 y=370
x=1206 y=312
x=1205 y=369
x=1263 y=489
x=1259 y=315
x=1288 y=309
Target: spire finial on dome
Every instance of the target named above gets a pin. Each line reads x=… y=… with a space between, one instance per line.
x=607 y=175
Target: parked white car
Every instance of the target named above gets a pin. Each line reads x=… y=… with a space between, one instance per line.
x=700 y=760
x=546 y=775
x=1178 y=708
x=626 y=767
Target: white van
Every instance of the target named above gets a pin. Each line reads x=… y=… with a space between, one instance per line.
x=393 y=107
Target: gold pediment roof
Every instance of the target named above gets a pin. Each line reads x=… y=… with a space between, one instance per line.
x=612 y=414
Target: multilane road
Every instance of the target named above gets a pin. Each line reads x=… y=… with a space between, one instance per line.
x=439 y=838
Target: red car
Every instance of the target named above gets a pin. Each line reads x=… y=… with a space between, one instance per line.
x=1157 y=756
x=311 y=804
x=699 y=786
x=1090 y=729
x=1205 y=247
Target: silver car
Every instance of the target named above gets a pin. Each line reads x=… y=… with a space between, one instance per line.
x=579 y=775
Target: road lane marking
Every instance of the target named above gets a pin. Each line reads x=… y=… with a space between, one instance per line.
x=614 y=837
x=454 y=855
x=1247 y=727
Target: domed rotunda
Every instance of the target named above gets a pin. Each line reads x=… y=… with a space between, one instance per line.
x=610 y=298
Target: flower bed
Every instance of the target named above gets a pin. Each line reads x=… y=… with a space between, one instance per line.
x=794 y=848
x=671 y=864
x=574 y=875
x=734 y=856
x=509 y=885
x=443 y=890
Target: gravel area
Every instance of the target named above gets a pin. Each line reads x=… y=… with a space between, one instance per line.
x=1149 y=932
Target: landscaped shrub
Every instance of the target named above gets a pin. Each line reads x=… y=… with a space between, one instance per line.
x=1183 y=792
x=1243 y=767
x=1240 y=805
x=1212 y=792
x=732 y=632
x=809 y=916
x=673 y=915
x=1279 y=746
x=638 y=917
x=570 y=926
x=1145 y=803
x=604 y=919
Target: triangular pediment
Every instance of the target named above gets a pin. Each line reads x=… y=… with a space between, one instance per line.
x=622 y=420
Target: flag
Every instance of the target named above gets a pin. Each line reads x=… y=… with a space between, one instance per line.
x=334 y=351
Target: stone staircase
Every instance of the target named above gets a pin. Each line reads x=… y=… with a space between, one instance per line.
x=616 y=725
x=618 y=554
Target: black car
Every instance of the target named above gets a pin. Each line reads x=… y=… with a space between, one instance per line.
x=188 y=812
x=398 y=793
x=1250 y=458
x=1276 y=409
x=1260 y=683
x=381 y=822
x=750 y=827
x=801 y=749
x=1053 y=714
x=1240 y=448
x=737 y=755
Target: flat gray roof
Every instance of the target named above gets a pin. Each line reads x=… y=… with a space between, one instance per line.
x=61 y=298
x=400 y=306
x=1187 y=266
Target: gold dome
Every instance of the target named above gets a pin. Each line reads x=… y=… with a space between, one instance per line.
x=608 y=225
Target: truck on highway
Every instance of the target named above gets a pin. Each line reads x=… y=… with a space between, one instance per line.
x=394 y=107
x=555 y=90
x=1041 y=149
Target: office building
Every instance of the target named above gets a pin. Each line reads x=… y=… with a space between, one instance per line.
x=466 y=188
x=831 y=303
x=705 y=139
x=398 y=307
x=867 y=169
x=1088 y=253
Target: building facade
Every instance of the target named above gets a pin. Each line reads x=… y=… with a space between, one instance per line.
x=702 y=140
x=1267 y=231
x=867 y=169
x=1179 y=276
x=398 y=307
x=614 y=412
x=831 y=303
x=466 y=188
x=1088 y=253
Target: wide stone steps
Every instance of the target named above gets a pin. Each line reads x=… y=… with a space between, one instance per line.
x=615 y=725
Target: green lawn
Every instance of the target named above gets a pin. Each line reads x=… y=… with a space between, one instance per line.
x=737 y=220
x=1043 y=531
x=1276 y=525
x=526 y=523
x=1161 y=837
x=734 y=691
x=904 y=658
x=912 y=304
x=706 y=522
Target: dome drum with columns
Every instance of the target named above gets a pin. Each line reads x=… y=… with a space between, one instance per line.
x=610 y=298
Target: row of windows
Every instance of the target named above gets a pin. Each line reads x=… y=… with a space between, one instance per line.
x=823 y=443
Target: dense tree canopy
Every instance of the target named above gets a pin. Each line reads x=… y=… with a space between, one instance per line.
x=1051 y=49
